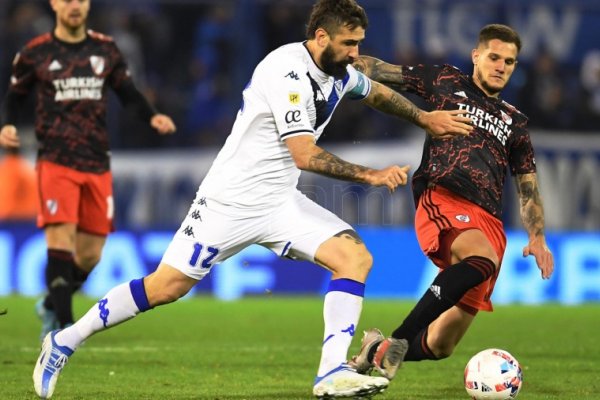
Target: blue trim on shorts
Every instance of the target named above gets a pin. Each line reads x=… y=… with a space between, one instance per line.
x=347 y=286
x=285 y=249
x=139 y=294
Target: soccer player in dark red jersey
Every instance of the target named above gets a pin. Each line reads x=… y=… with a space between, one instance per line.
x=71 y=70
x=458 y=194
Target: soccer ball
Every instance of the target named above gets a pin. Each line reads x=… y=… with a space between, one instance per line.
x=493 y=374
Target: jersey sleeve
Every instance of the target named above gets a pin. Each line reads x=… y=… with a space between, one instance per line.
x=23 y=73
x=120 y=75
x=521 y=158
x=419 y=79
x=358 y=86
x=287 y=92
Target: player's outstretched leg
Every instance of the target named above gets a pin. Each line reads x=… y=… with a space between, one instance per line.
x=49 y=364
x=47 y=317
x=345 y=382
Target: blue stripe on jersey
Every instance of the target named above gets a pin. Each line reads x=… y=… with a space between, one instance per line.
x=347 y=286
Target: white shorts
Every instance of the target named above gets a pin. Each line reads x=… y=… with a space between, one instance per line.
x=210 y=233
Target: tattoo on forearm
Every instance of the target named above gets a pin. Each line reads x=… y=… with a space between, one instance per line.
x=532 y=210
x=390 y=102
x=380 y=71
x=330 y=165
x=351 y=235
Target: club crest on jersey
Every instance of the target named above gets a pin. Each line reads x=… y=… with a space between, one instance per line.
x=294 y=98
x=506 y=118
x=97 y=63
x=463 y=218
x=52 y=206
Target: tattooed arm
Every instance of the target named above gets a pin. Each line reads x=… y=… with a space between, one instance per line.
x=532 y=216
x=380 y=71
x=441 y=124
x=310 y=157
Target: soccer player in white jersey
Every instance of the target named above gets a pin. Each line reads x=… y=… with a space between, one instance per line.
x=250 y=197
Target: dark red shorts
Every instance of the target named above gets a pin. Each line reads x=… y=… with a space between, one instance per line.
x=441 y=216
x=71 y=196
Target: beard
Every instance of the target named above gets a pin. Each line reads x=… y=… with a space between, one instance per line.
x=490 y=90
x=337 y=69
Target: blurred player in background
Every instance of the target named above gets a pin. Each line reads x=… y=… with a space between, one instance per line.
x=249 y=196
x=19 y=197
x=71 y=69
x=458 y=192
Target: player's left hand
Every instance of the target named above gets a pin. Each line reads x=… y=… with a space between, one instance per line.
x=543 y=256
x=444 y=124
x=163 y=124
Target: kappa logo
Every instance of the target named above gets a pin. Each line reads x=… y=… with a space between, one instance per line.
x=55 y=66
x=293 y=75
x=196 y=215
x=188 y=231
x=52 y=206
x=463 y=218
x=97 y=63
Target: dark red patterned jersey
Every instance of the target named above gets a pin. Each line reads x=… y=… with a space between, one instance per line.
x=473 y=166
x=71 y=81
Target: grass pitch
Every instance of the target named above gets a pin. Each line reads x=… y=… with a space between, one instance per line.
x=269 y=347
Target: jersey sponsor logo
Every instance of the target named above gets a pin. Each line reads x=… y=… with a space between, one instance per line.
x=498 y=127
x=293 y=75
x=463 y=218
x=55 y=65
x=292 y=116
x=294 y=98
x=78 y=88
x=97 y=63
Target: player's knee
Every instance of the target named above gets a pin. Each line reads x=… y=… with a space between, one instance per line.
x=442 y=350
x=361 y=261
x=87 y=262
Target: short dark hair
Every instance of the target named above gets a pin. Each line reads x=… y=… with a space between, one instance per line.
x=331 y=15
x=501 y=32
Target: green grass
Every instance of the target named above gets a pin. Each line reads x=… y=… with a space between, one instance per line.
x=268 y=348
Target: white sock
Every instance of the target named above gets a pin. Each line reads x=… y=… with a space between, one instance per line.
x=117 y=306
x=341 y=312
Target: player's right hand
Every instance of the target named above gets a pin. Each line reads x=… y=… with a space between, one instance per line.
x=444 y=124
x=391 y=177
x=9 y=137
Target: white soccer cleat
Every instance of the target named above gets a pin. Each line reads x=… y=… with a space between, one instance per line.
x=49 y=364
x=345 y=382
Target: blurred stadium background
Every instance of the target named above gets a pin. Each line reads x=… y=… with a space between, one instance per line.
x=193 y=58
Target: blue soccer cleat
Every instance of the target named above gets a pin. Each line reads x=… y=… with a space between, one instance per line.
x=49 y=364
x=48 y=318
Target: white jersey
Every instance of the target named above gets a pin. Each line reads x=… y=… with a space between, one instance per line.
x=287 y=96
